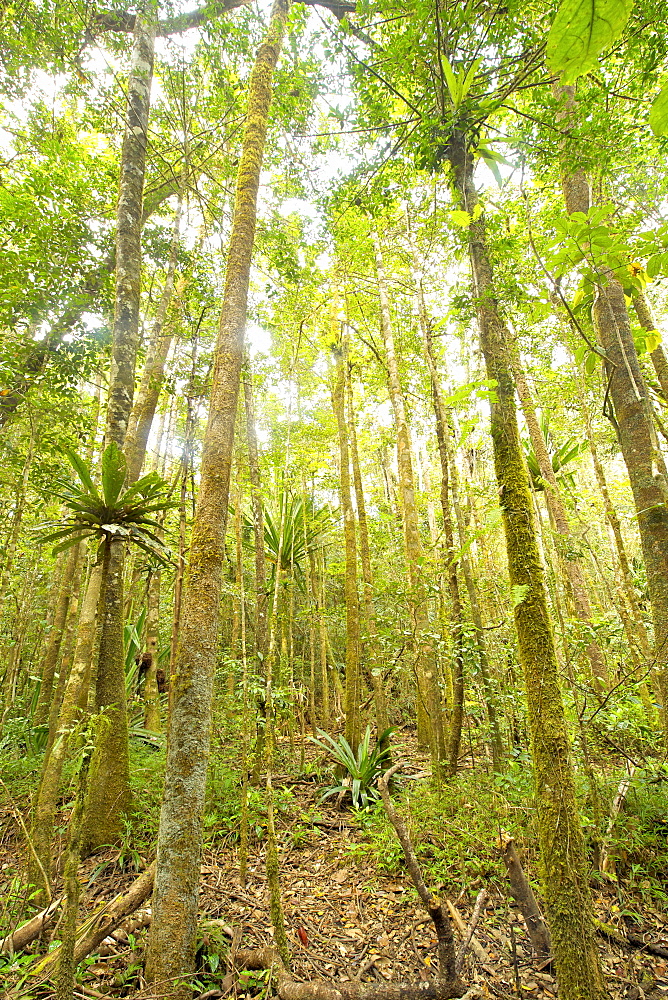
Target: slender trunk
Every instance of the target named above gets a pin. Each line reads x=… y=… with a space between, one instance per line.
x=108 y=795
x=50 y=659
x=375 y=667
x=258 y=518
x=148 y=393
x=572 y=567
x=429 y=715
x=456 y=610
x=68 y=647
x=631 y=415
x=564 y=875
x=643 y=311
x=352 y=701
x=152 y=718
x=185 y=472
x=52 y=766
x=9 y=549
x=172 y=937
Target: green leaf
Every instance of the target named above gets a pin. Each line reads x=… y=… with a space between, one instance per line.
x=114 y=469
x=470 y=77
x=82 y=472
x=453 y=84
x=460 y=218
x=658 y=113
x=581 y=30
x=518 y=592
x=590 y=363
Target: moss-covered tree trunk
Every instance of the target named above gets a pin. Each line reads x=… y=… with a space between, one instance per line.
x=153 y=376
x=108 y=796
x=352 y=696
x=572 y=567
x=52 y=767
x=631 y=415
x=50 y=658
x=171 y=945
x=564 y=869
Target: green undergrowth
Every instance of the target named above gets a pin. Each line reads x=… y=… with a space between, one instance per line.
x=455 y=829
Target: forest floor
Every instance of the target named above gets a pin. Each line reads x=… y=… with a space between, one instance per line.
x=350 y=913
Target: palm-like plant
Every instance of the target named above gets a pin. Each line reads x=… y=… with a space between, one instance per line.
x=560 y=456
x=364 y=767
x=110 y=512
x=305 y=527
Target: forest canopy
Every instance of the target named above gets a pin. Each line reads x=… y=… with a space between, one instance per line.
x=334 y=532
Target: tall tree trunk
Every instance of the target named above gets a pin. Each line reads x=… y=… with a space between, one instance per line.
x=643 y=311
x=9 y=548
x=52 y=767
x=151 y=692
x=108 y=795
x=171 y=945
x=352 y=702
x=148 y=393
x=50 y=659
x=429 y=714
x=258 y=519
x=375 y=666
x=564 y=875
x=572 y=567
x=456 y=610
x=631 y=416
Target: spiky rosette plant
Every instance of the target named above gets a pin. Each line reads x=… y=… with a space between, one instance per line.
x=110 y=511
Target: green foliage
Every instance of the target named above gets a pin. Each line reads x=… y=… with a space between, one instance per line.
x=658 y=114
x=561 y=455
x=113 y=513
x=364 y=768
x=305 y=528
x=581 y=30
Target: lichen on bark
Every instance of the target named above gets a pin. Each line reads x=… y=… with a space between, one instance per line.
x=171 y=946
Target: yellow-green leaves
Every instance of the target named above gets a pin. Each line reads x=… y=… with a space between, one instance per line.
x=458 y=84
x=581 y=30
x=658 y=114
x=464 y=219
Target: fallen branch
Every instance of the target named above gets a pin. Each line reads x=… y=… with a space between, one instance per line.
x=629 y=940
x=290 y=989
x=474 y=944
x=94 y=930
x=523 y=895
x=27 y=932
x=608 y=862
x=475 y=917
x=446 y=943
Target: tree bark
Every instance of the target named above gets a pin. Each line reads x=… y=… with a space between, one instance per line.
x=564 y=870
x=108 y=795
x=429 y=714
x=258 y=518
x=456 y=610
x=153 y=376
x=352 y=701
x=50 y=659
x=572 y=567
x=633 y=423
x=375 y=667
x=171 y=945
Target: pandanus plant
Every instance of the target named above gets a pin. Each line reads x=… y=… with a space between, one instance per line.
x=112 y=511
x=560 y=456
x=304 y=526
